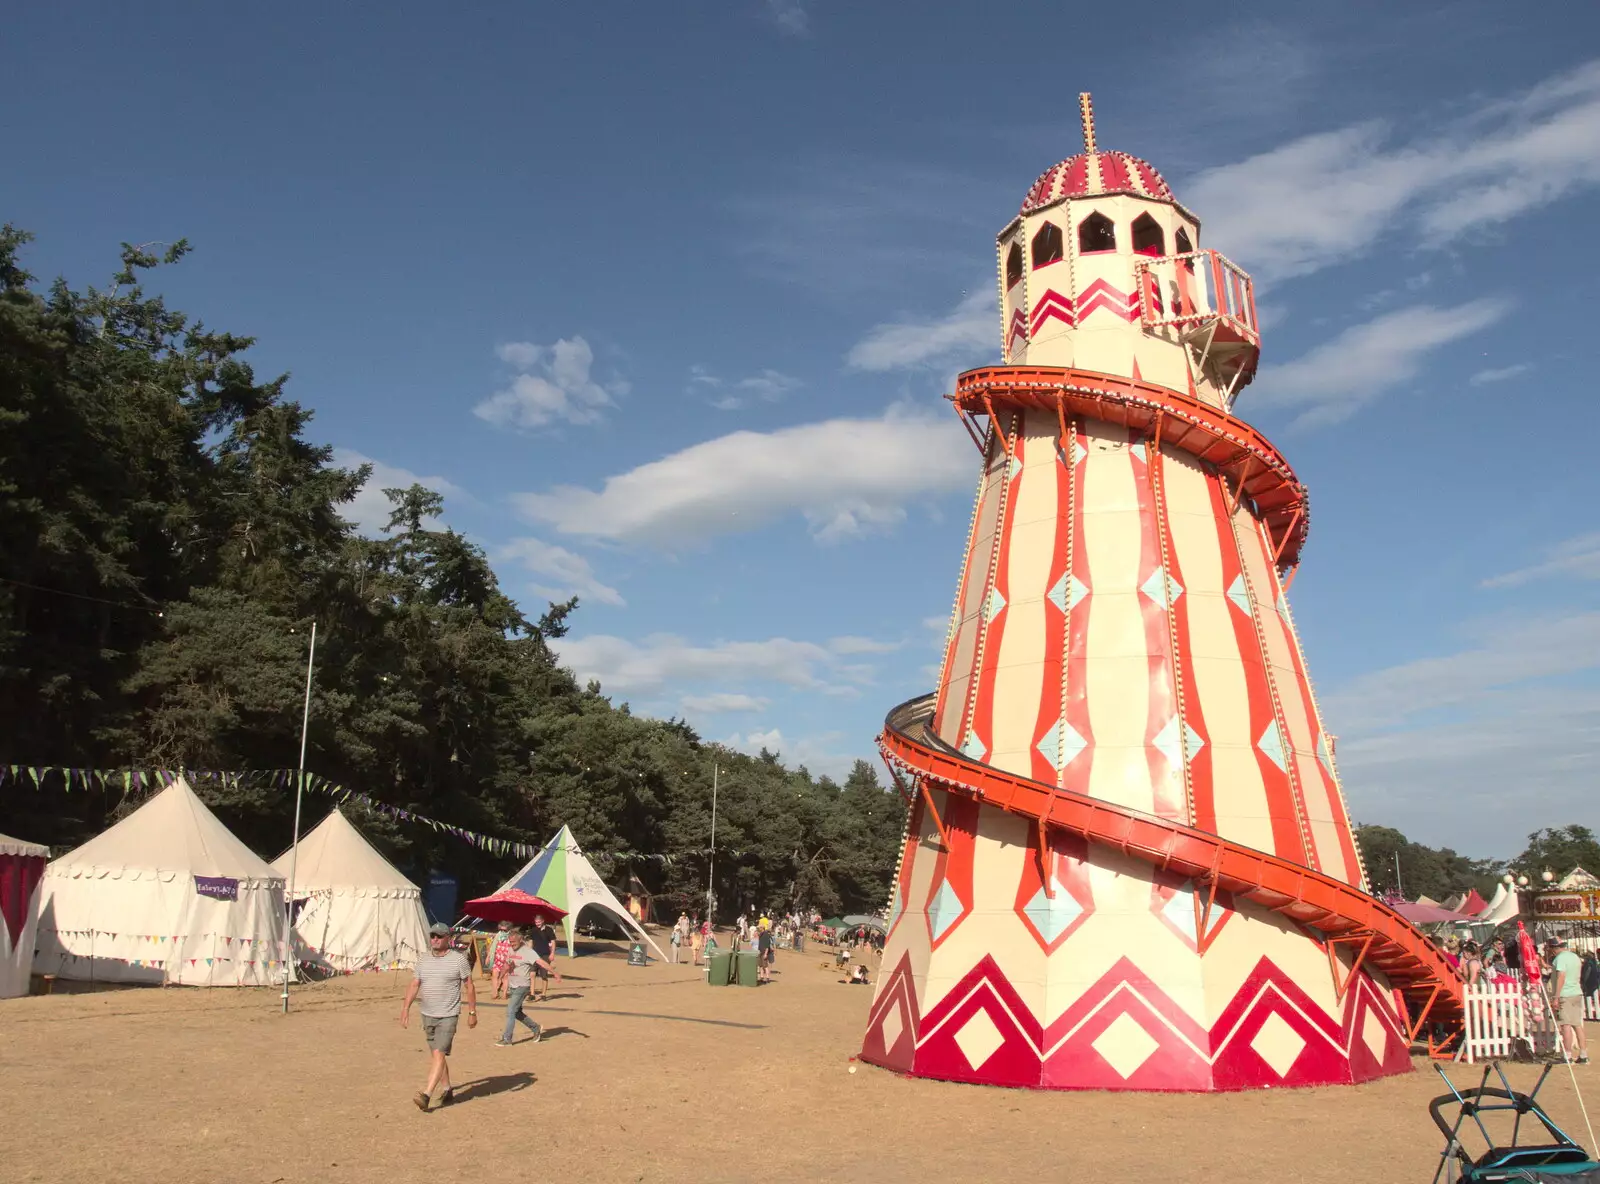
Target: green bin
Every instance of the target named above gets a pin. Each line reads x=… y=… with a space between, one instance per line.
x=718 y=974
x=746 y=971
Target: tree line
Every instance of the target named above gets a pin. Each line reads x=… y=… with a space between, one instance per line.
x=168 y=534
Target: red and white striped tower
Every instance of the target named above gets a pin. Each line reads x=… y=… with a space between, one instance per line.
x=1121 y=643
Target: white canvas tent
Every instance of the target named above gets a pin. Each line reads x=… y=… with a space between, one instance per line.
x=1502 y=908
x=357 y=912
x=21 y=872
x=561 y=875
x=166 y=895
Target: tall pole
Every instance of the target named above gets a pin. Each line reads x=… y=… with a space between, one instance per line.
x=1398 y=887
x=711 y=863
x=294 y=849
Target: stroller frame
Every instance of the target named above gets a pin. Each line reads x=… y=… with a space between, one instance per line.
x=1512 y=1161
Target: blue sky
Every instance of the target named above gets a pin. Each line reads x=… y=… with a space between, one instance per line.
x=664 y=299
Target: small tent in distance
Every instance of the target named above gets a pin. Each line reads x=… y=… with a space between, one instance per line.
x=562 y=875
x=356 y=911
x=21 y=872
x=166 y=895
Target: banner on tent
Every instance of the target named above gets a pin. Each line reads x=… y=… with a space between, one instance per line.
x=217 y=887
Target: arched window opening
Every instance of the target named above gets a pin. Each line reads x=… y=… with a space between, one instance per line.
x=1184 y=246
x=1147 y=236
x=1096 y=233
x=1013 y=265
x=1047 y=245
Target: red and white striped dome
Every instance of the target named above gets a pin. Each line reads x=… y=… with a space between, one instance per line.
x=1090 y=173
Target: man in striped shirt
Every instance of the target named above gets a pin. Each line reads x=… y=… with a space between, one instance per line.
x=441 y=973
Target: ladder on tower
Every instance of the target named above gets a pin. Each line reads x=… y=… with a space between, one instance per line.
x=1379 y=936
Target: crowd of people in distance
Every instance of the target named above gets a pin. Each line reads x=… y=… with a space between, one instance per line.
x=1565 y=976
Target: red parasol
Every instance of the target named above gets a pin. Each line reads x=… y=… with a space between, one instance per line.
x=514 y=905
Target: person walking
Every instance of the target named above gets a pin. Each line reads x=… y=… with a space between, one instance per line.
x=678 y=928
x=543 y=941
x=764 y=952
x=697 y=939
x=439 y=979
x=519 y=979
x=1566 y=995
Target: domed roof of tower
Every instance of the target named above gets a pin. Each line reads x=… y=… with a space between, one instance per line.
x=1092 y=171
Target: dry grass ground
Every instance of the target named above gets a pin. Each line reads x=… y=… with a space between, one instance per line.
x=646 y=1074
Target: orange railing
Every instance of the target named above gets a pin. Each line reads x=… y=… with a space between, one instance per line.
x=1341 y=913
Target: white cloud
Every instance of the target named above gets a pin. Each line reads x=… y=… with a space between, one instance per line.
x=820 y=754
x=1577 y=557
x=845 y=476
x=1479 y=747
x=553 y=383
x=1511 y=653
x=769 y=386
x=1334 y=380
x=628 y=667
x=560 y=572
x=861 y=645
x=1500 y=373
x=790 y=16
x=371 y=509
x=969 y=330
x=1329 y=196
x=722 y=701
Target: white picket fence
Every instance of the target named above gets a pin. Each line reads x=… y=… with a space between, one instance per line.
x=1505 y=1020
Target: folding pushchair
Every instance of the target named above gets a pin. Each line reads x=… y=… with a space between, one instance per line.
x=1559 y=1160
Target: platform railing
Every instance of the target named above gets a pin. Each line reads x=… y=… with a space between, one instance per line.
x=1189 y=290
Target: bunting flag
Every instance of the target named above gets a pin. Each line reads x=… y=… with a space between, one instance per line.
x=140 y=781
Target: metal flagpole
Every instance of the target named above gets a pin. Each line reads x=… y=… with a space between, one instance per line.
x=711 y=863
x=294 y=850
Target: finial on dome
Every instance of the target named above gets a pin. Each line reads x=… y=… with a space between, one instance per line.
x=1086 y=111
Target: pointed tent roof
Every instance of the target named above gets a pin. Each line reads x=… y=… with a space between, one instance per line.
x=1503 y=908
x=562 y=875
x=1494 y=901
x=10 y=846
x=171 y=834
x=1472 y=903
x=337 y=856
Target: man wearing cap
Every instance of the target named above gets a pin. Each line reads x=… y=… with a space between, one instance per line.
x=439 y=979
x=1566 y=993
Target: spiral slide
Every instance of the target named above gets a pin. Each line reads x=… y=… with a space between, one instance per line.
x=1344 y=915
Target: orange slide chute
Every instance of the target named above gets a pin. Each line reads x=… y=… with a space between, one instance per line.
x=1380 y=937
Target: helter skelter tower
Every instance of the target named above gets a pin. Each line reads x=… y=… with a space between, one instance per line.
x=1128 y=862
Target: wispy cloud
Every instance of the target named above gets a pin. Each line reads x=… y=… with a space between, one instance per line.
x=1577 y=557
x=552 y=384
x=1334 y=380
x=790 y=16
x=1330 y=196
x=769 y=386
x=662 y=660
x=847 y=477
x=862 y=645
x=1504 y=732
x=822 y=754
x=1500 y=374
x=970 y=331
x=559 y=572
x=722 y=702
x=371 y=509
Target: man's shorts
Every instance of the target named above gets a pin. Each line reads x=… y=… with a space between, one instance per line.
x=1570 y=1011
x=440 y=1031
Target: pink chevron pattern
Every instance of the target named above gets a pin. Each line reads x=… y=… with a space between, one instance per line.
x=1019 y=328
x=1270 y=1034
x=1102 y=295
x=1052 y=305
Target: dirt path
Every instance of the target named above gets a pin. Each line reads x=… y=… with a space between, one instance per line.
x=646 y=1075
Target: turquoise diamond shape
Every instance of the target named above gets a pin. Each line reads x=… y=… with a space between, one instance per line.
x=1156 y=587
x=1061 y=745
x=1240 y=594
x=945 y=911
x=1323 y=755
x=1013 y=466
x=1195 y=739
x=1052 y=916
x=1067 y=592
x=1137 y=448
x=1166 y=743
x=1078 y=452
x=1271 y=746
x=972 y=746
x=992 y=604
